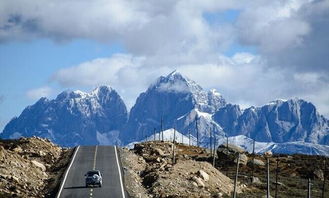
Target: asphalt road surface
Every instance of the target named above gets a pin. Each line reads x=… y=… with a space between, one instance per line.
x=103 y=158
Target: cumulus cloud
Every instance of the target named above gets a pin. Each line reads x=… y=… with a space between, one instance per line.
x=242 y=79
x=290 y=38
x=37 y=93
x=175 y=29
x=288 y=33
x=179 y=87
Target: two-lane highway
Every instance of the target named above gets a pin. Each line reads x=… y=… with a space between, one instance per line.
x=103 y=158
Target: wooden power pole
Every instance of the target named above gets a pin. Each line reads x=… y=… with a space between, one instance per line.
x=197 y=130
x=236 y=176
x=268 y=177
x=161 y=127
x=324 y=178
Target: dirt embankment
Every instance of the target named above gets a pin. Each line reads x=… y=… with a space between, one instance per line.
x=151 y=172
x=31 y=167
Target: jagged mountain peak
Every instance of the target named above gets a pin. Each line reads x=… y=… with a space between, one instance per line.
x=170 y=97
x=73 y=117
x=175 y=82
x=214 y=92
x=281 y=101
x=103 y=89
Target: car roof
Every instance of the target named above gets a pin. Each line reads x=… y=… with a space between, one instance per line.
x=93 y=171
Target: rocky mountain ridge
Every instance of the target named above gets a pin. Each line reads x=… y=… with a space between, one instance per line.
x=173 y=101
x=73 y=118
x=279 y=121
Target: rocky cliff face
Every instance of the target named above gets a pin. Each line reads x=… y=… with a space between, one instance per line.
x=170 y=98
x=73 y=118
x=279 y=121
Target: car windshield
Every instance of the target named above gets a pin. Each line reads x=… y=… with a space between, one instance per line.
x=91 y=173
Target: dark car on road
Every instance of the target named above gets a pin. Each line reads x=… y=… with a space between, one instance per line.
x=94 y=177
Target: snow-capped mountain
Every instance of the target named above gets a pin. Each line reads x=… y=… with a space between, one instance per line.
x=169 y=98
x=100 y=117
x=283 y=148
x=168 y=135
x=73 y=118
x=243 y=142
x=278 y=121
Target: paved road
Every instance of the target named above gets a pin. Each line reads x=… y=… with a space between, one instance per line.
x=101 y=158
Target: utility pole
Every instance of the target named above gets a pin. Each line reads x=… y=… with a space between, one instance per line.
x=162 y=127
x=214 y=153
x=276 y=177
x=154 y=130
x=210 y=140
x=268 y=177
x=324 y=178
x=197 y=130
x=309 y=188
x=253 y=161
x=174 y=140
x=227 y=152
x=173 y=153
x=236 y=176
x=189 y=138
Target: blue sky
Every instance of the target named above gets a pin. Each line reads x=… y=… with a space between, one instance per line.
x=227 y=45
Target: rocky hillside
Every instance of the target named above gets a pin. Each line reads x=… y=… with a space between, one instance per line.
x=31 y=167
x=151 y=172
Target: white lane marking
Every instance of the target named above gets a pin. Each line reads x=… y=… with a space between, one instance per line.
x=67 y=172
x=94 y=167
x=119 y=169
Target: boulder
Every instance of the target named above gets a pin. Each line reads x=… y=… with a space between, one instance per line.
x=243 y=159
x=229 y=152
x=256 y=162
x=256 y=180
x=231 y=148
x=203 y=175
x=159 y=152
x=319 y=174
x=39 y=165
x=199 y=181
x=18 y=149
x=2 y=152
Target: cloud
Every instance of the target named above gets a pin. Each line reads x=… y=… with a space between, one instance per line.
x=37 y=93
x=175 y=29
x=290 y=38
x=179 y=87
x=289 y=34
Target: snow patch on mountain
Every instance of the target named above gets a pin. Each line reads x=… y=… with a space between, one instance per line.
x=168 y=135
x=283 y=148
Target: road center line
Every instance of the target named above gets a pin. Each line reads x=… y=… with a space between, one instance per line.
x=67 y=172
x=119 y=170
x=94 y=167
